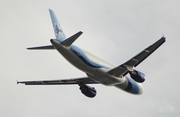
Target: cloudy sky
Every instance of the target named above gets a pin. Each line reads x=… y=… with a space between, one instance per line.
x=113 y=30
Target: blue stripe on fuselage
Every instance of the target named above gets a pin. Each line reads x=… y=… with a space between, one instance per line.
x=84 y=58
x=132 y=86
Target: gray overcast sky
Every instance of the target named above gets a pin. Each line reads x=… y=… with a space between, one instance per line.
x=113 y=30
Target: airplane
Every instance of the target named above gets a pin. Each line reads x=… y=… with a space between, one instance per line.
x=97 y=70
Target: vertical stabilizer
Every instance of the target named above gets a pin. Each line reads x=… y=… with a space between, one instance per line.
x=56 y=26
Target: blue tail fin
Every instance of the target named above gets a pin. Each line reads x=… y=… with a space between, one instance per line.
x=56 y=26
x=59 y=35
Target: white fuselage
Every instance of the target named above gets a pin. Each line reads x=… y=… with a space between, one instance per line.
x=95 y=68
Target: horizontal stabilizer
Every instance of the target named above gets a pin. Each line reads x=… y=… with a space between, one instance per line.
x=41 y=47
x=71 y=39
x=66 y=42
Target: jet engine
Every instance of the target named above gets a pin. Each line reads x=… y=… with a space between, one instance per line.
x=137 y=76
x=87 y=90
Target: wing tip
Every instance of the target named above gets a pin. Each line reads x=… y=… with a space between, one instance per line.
x=17 y=81
x=163 y=37
x=29 y=48
x=81 y=32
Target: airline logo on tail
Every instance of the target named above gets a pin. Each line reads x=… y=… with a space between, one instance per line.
x=57 y=29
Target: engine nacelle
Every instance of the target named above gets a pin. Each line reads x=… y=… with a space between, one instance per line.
x=88 y=91
x=137 y=76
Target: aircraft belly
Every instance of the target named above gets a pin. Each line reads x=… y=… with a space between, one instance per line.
x=104 y=78
x=95 y=71
x=74 y=60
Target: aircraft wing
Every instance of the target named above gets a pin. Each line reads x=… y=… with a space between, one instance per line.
x=84 y=80
x=123 y=69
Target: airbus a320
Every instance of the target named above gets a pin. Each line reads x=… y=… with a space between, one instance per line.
x=97 y=70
